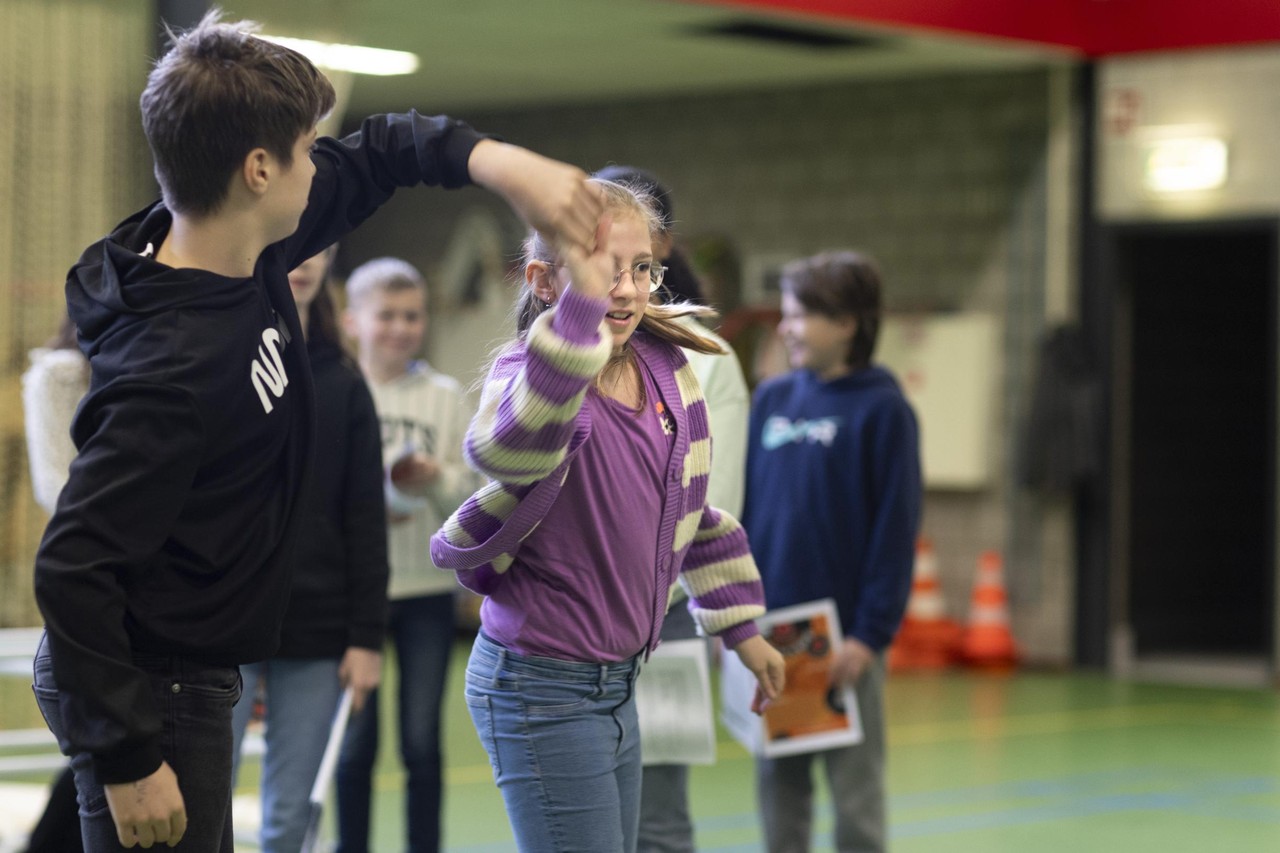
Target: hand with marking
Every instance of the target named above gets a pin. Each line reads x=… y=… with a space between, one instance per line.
x=149 y=810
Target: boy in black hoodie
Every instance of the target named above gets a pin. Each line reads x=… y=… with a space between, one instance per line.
x=167 y=561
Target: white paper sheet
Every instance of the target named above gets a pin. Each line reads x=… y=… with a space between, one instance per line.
x=673 y=698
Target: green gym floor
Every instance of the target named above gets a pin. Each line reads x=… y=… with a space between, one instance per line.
x=984 y=763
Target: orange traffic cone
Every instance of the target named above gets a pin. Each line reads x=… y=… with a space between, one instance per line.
x=927 y=638
x=987 y=640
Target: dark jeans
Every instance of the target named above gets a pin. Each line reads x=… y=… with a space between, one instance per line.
x=422 y=630
x=194 y=701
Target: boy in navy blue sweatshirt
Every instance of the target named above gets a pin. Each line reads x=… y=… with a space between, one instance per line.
x=832 y=508
x=167 y=562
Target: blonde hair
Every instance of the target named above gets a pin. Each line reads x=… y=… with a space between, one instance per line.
x=383 y=275
x=660 y=320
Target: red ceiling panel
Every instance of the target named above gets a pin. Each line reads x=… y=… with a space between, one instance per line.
x=1089 y=27
x=1132 y=26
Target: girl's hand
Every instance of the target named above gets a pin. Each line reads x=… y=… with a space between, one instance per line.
x=591 y=274
x=766 y=663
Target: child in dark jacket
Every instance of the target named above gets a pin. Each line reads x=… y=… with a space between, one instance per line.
x=424 y=416
x=334 y=625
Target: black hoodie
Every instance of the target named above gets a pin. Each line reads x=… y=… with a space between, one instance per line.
x=339 y=594
x=175 y=531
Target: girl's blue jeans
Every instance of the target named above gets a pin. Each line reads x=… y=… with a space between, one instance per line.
x=564 y=743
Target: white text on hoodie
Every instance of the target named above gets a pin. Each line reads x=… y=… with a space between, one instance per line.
x=267 y=370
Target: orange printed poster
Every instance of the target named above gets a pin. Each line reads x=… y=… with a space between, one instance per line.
x=811 y=714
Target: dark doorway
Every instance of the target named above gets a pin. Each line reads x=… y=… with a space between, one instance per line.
x=1199 y=435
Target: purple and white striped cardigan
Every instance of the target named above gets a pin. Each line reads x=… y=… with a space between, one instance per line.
x=531 y=424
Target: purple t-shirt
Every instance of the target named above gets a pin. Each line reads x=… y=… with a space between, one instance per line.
x=584 y=581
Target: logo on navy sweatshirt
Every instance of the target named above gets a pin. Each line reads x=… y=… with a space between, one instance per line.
x=267 y=370
x=779 y=431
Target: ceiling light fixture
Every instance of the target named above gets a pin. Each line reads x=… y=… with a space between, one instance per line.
x=352 y=57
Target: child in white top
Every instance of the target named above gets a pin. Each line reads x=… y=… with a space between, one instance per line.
x=423 y=415
x=51 y=390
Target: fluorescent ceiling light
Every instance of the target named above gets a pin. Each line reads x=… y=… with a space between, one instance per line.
x=352 y=57
x=1185 y=164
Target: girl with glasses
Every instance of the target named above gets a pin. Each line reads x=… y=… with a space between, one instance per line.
x=593 y=432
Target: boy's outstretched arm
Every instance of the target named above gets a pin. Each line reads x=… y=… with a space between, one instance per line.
x=551 y=196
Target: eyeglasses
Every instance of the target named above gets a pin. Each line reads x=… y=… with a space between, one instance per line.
x=643 y=274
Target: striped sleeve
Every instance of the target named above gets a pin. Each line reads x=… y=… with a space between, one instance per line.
x=720 y=577
x=526 y=417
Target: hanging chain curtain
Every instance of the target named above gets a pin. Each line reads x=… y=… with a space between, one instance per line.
x=75 y=162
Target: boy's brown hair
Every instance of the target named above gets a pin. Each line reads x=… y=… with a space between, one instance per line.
x=840 y=284
x=219 y=93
